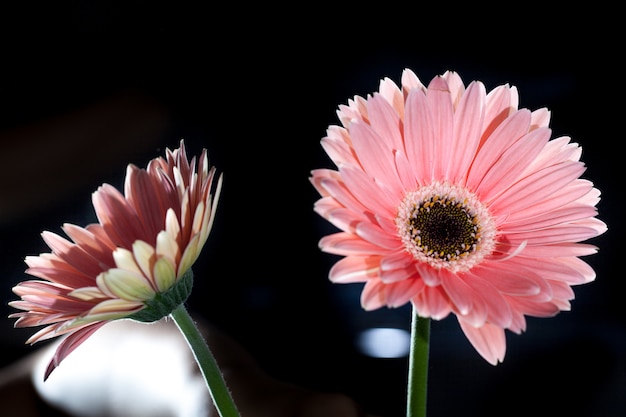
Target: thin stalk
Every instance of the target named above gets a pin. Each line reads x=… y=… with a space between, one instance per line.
x=220 y=394
x=417 y=386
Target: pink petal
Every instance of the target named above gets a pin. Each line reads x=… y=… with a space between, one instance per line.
x=488 y=340
x=373 y=195
x=338 y=145
x=354 y=269
x=420 y=141
x=459 y=292
x=69 y=344
x=571 y=192
x=536 y=186
x=338 y=190
x=399 y=293
x=346 y=244
x=497 y=309
x=501 y=102
x=512 y=163
x=559 y=249
x=375 y=235
x=385 y=121
x=375 y=155
x=496 y=144
x=373 y=295
x=439 y=100
x=432 y=302
x=468 y=124
x=549 y=219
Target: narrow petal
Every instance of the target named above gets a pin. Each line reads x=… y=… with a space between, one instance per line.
x=68 y=345
x=354 y=269
x=497 y=143
x=439 y=101
x=420 y=140
x=468 y=124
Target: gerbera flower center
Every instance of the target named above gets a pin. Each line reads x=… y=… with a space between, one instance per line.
x=446 y=226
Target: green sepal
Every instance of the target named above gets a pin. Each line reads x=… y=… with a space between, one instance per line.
x=165 y=302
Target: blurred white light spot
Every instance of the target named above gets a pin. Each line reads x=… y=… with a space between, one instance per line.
x=384 y=342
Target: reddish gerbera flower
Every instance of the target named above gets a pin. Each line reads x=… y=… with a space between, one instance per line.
x=455 y=200
x=135 y=263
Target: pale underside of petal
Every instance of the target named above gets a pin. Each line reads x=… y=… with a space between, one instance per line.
x=488 y=340
x=125 y=259
x=88 y=293
x=166 y=246
x=144 y=255
x=127 y=285
x=190 y=254
x=107 y=310
x=164 y=274
x=115 y=307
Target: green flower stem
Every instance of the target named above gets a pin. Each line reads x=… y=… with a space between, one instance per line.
x=417 y=387
x=206 y=361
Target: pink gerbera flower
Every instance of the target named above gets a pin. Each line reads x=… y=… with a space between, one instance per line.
x=135 y=263
x=453 y=199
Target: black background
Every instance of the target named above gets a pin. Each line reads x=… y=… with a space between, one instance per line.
x=99 y=86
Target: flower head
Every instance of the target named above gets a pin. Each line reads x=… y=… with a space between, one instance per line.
x=454 y=199
x=134 y=263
